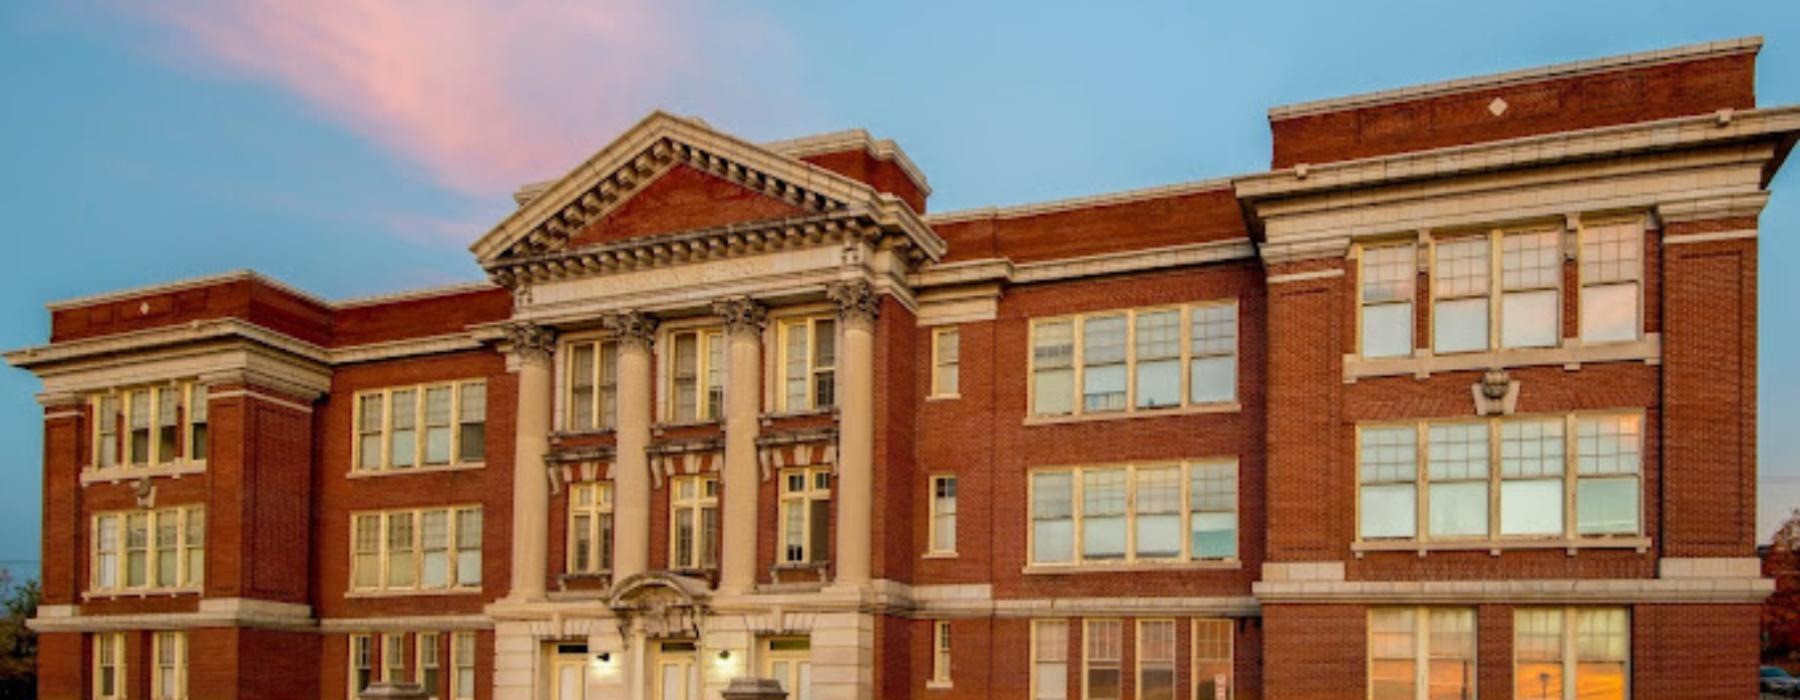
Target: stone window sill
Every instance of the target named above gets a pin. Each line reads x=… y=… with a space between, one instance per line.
x=1131 y=567
x=1495 y=547
x=433 y=592
x=141 y=593
x=1570 y=355
x=938 y=555
x=942 y=397
x=113 y=475
x=1196 y=409
x=937 y=685
x=436 y=469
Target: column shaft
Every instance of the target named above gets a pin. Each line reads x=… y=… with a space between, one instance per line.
x=531 y=441
x=631 y=465
x=856 y=431
x=743 y=403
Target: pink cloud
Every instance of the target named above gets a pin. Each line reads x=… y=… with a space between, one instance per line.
x=484 y=95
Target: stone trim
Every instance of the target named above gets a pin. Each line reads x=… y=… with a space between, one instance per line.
x=529 y=342
x=405 y=623
x=1739 y=235
x=1006 y=271
x=633 y=329
x=840 y=141
x=396 y=349
x=180 y=285
x=1529 y=591
x=213 y=612
x=1709 y=567
x=1571 y=355
x=1746 y=205
x=742 y=315
x=1082 y=202
x=857 y=301
x=1306 y=276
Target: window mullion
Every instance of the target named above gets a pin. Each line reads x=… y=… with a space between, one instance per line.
x=1421 y=482
x=455 y=423
x=1422 y=653
x=1495 y=437
x=1077 y=405
x=1571 y=443
x=1075 y=507
x=1496 y=287
x=1131 y=360
x=387 y=427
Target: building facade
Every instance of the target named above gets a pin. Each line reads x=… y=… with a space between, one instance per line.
x=1455 y=400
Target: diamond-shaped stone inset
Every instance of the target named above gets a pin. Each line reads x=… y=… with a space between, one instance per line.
x=1497 y=107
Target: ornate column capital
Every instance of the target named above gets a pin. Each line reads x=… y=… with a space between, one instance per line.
x=857 y=301
x=742 y=315
x=530 y=342
x=633 y=329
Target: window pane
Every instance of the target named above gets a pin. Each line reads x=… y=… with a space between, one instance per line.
x=797 y=366
x=1052 y=510
x=1158 y=335
x=1462 y=267
x=1103 y=388
x=1458 y=451
x=401 y=443
x=1460 y=325
x=468 y=547
x=1392 y=653
x=1609 y=313
x=1531 y=448
x=1529 y=319
x=1538 y=654
x=1389 y=511
x=1103 y=356
x=370 y=430
x=1159 y=512
x=1531 y=507
x=434 y=532
x=1387 y=330
x=1053 y=392
x=1388 y=273
x=1531 y=260
x=1602 y=648
x=1607 y=506
x=1451 y=673
x=1608 y=444
x=581 y=387
x=1214 y=329
x=1212 y=498
x=472 y=430
x=686 y=377
x=1213 y=379
x=437 y=422
x=1389 y=454
x=1459 y=509
x=400 y=550
x=1103 y=514
x=1611 y=253
x=1053 y=357
x=1158 y=383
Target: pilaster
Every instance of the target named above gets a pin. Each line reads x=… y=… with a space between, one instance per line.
x=529 y=351
x=636 y=334
x=858 y=303
x=744 y=321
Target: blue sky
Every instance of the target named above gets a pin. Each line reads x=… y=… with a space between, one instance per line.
x=354 y=147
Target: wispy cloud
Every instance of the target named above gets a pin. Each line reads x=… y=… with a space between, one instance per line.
x=485 y=94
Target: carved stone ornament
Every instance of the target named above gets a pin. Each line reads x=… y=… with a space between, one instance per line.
x=1496 y=394
x=531 y=341
x=857 y=301
x=742 y=315
x=145 y=491
x=633 y=329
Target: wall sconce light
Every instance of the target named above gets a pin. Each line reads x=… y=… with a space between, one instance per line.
x=724 y=656
x=603 y=657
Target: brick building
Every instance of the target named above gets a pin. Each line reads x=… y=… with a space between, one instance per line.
x=1457 y=399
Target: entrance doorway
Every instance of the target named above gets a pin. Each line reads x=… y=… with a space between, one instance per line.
x=677 y=672
x=568 y=672
x=789 y=662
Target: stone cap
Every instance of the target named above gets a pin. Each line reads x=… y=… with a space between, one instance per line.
x=394 y=691
x=746 y=688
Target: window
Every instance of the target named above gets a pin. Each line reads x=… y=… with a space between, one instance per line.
x=1421 y=653
x=808 y=366
x=789 y=662
x=1461 y=294
x=429 y=664
x=1612 y=270
x=694 y=518
x=1213 y=668
x=696 y=376
x=1571 y=653
x=362 y=664
x=940 y=654
x=805 y=515
x=109 y=666
x=149 y=426
x=407 y=550
x=1102 y=677
x=1135 y=513
x=1530 y=274
x=164 y=549
x=1156 y=660
x=393 y=657
x=946 y=358
x=169 y=675
x=1467 y=498
x=943 y=515
x=1049 y=659
x=592 y=399
x=405 y=428
x=1135 y=360
x=1388 y=273
x=590 y=527
x=462 y=654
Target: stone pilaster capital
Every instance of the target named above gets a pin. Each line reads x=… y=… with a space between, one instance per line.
x=633 y=329
x=530 y=342
x=857 y=301
x=743 y=315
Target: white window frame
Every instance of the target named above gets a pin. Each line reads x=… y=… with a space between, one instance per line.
x=1422 y=655
x=189 y=549
x=462 y=657
x=1410 y=299
x=393 y=648
x=176 y=643
x=385 y=556
x=1571 y=480
x=815 y=371
x=946 y=363
x=361 y=658
x=429 y=659
x=1087 y=654
x=385 y=465
x=114 y=426
x=594 y=501
x=603 y=403
x=1230 y=658
x=1571 y=648
x=1078 y=366
x=1039 y=658
x=803 y=500
x=110 y=645
x=705 y=497
x=1172 y=663
x=940 y=515
x=1591 y=271
x=940 y=655
x=706 y=369
x=1185 y=469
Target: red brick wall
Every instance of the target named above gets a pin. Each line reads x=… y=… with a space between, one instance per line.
x=1694 y=651
x=1305 y=359
x=416 y=318
x=960 y=443
x=62 y=664
x=1299 y=663
x=248 y=299
x=883 y=175
x=684 y=199
x=1200 y=217
x=63 y=541
x=1646 y=93
x=897 y=354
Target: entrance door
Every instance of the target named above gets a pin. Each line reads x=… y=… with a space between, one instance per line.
x=568 y=673
x=677 y=675
x=789 y=662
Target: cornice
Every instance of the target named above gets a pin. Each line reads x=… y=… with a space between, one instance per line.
x=1532 y=591
x=1020 y=211
x=839 y=141
x=212 y=612
x=181 y=285
x=1006 y=271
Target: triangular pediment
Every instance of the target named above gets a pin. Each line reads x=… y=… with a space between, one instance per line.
x=680 y=159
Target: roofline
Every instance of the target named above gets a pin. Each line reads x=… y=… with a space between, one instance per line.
x=241 y=275
x=1082 y=202
x=1748 y=44
x=838 y=141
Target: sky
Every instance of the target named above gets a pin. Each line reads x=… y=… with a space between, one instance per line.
x=355 y=147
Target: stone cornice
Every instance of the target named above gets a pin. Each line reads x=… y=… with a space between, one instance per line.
x=1106 y=199
x=1534 y=591
x=840 y=141
x=212 y=612
x=1747 y=205
x=1006 y=271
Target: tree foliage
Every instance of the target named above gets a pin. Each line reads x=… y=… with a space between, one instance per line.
x=1781 y=610
x=18 y=644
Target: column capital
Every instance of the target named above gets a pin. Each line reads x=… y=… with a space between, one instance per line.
x=633 y=329
x=530 y=342
x=742 y=315
x=857 y=301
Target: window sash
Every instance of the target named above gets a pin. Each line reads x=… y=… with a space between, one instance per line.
x=590 y=528
x=804 y=515
x=1129 y=514
x=1572 y=652
x=1213 y=658
x=940 y=652
x=462 y=654
x=110 y=677
x=1103 y=653
x=389 y=552
x=168 y=674
x=1049 y=659
x=148 y=550
x=693 y=518
x=1612 y=275
x=1388 y=275
x=807 y=366
x=1163 y=358
x=399 y=431
x=1156 y=659
x=150 y=425
x=942 y=523
x=946 y=361
x=1419 y=653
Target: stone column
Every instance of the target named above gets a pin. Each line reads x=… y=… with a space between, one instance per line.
x=636 y=335
x=744 y=321
x=530 y=350
x=858 y=304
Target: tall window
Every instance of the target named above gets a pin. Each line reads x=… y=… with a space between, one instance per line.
x=1461 y=295
x=808 y=365
x=1612 y=271
x=1421 y=653
x=1156 y=660
x=805 y=515
x=145 y=426
x=164 y=549
x=940 y=653
x=434 y=425
x=1536 y=473
x=1571 y=653
x=1102 y=666
x=169 y=679
x=409 y=550
x=591 y=402
x=1213 y=669
x=943 y=515
x=694 y=518
x=696 y=376
x=946 y=360
x=429 y=664
x=1388 y=273
x=1530 y=274
x=109 y=666
x=590 y=527
x=1135 y=360
x=1134 y=513
x=393 y=657
x=462 y=654
x=362 y=664
x=1049 y=659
